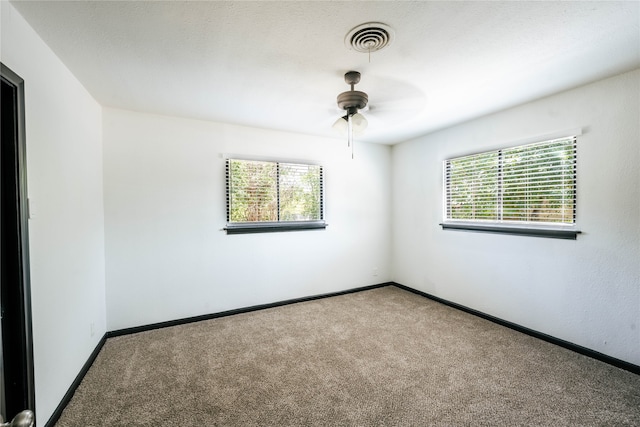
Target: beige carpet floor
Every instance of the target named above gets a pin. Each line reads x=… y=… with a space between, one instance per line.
x=383 y=357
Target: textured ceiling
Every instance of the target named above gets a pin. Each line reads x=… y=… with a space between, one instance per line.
x=280 y=65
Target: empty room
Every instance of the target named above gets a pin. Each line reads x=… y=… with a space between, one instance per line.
x=250 y=213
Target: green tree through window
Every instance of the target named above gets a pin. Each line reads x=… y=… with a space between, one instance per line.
x=534 y=183
x=252 y=191
x=273 y=192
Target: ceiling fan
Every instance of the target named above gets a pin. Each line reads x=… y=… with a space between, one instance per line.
x=396 y=102
x=351 y=101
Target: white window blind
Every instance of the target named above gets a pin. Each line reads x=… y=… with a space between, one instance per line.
x=269 y=196
x=533 y=184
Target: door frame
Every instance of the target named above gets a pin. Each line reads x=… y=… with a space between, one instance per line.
x=19 y=327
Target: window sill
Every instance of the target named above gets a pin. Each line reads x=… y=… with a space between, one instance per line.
x=273 y=227
x=559 y=232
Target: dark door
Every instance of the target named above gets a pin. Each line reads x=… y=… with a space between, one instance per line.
x=16 y=348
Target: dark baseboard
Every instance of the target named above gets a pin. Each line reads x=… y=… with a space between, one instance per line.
x=551 y=339
x=76 y=382
x=186 y=320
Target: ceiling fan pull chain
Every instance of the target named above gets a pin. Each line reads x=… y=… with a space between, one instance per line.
x=349 y=131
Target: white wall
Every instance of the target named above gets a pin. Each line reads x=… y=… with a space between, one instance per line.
x=585 y=291
x=64 y=166
x=167 y=257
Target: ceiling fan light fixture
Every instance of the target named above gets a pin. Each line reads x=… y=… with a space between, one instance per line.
x=341 y=125
x=359 y=124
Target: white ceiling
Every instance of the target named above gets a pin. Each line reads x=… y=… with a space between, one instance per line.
x=280 y=65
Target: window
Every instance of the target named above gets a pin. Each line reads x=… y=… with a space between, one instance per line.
x=527 y=190
x=265 y=196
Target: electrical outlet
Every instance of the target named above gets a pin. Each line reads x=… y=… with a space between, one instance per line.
x=375 y=271
x=92 y=327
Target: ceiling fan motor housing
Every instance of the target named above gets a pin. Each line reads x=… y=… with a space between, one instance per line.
x=352 y=99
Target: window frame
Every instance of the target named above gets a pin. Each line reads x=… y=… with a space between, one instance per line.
x=271 y=226
x=513 y=227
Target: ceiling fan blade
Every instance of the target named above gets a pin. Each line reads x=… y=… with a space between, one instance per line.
x=391 y=99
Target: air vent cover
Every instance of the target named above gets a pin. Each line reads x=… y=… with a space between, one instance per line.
x=369 y=37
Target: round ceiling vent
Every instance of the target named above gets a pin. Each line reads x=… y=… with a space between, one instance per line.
x=369 y=37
